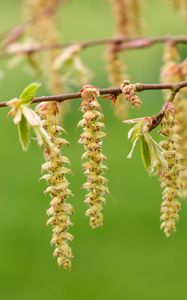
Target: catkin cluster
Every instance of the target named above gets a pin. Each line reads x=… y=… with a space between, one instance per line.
x=117 y=72
x=42 y=30
x=181 y=130
x=121 y=13
x=174 y=71
x=128 y=16
x=91 y=138
x=170 y=174
x=136 y=15
x=181 y=6
x=176 y=3
x=55 y=169
x=171 y=70
x=128 y=21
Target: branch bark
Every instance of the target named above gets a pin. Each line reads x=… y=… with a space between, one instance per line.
x=109 y=91
x=124 y=43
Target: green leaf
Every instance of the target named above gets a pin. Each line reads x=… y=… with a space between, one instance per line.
x=136 y=134
x=132 y=149
x=157 y=153
x=24 y=133
x=29 y=92
x=145 y=153
x=136 y=130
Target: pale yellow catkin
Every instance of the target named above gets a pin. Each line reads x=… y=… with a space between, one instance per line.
x=127 y=14
x=56 y=169
x=117 y=72
x=43 y=30
x=170 y=71
x=181 y=130
x=174 y=71
x=121 y=14
x=170 y=174
x=115 y=66
x=128 y=22
x=136 y=15
x=181 y=7
x=176 y=4
x=91 y=138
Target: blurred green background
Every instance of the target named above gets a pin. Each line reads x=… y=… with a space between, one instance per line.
x=129 y=258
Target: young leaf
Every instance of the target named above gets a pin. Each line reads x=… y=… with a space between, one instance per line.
x=132 y=149
x=134 y=134
x=29 y=92
x=24 y=133
x=145 y=153
x=156 y=154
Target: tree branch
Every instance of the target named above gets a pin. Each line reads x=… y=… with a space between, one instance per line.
x=175 y=87
x=123 y=42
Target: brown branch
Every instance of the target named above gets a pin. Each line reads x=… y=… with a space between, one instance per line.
x=124 y=43
x=110 y=91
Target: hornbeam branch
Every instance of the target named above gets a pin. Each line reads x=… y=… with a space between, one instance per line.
x=123 y=43
x=109 y=91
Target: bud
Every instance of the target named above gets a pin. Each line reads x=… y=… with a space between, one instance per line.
x=129 y=90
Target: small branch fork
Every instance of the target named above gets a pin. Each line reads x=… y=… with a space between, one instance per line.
x=112 y=92
x=158 y=118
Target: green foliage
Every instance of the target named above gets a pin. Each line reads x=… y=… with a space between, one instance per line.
x=29 y=93
x=145 y=153
x=24 y=133
x=27 y=118
x=151 y=152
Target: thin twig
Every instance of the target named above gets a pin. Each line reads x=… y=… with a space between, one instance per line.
x=175 y=87
x=158 y=118
x=124 y=43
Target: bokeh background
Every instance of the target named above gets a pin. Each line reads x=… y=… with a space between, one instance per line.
x=129 y=258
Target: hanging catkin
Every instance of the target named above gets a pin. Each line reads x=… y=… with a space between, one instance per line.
x=170 y=176
x=56 y=169
x=91 y=138
x=174 y=71
x=42 y=30
x=128 y=22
